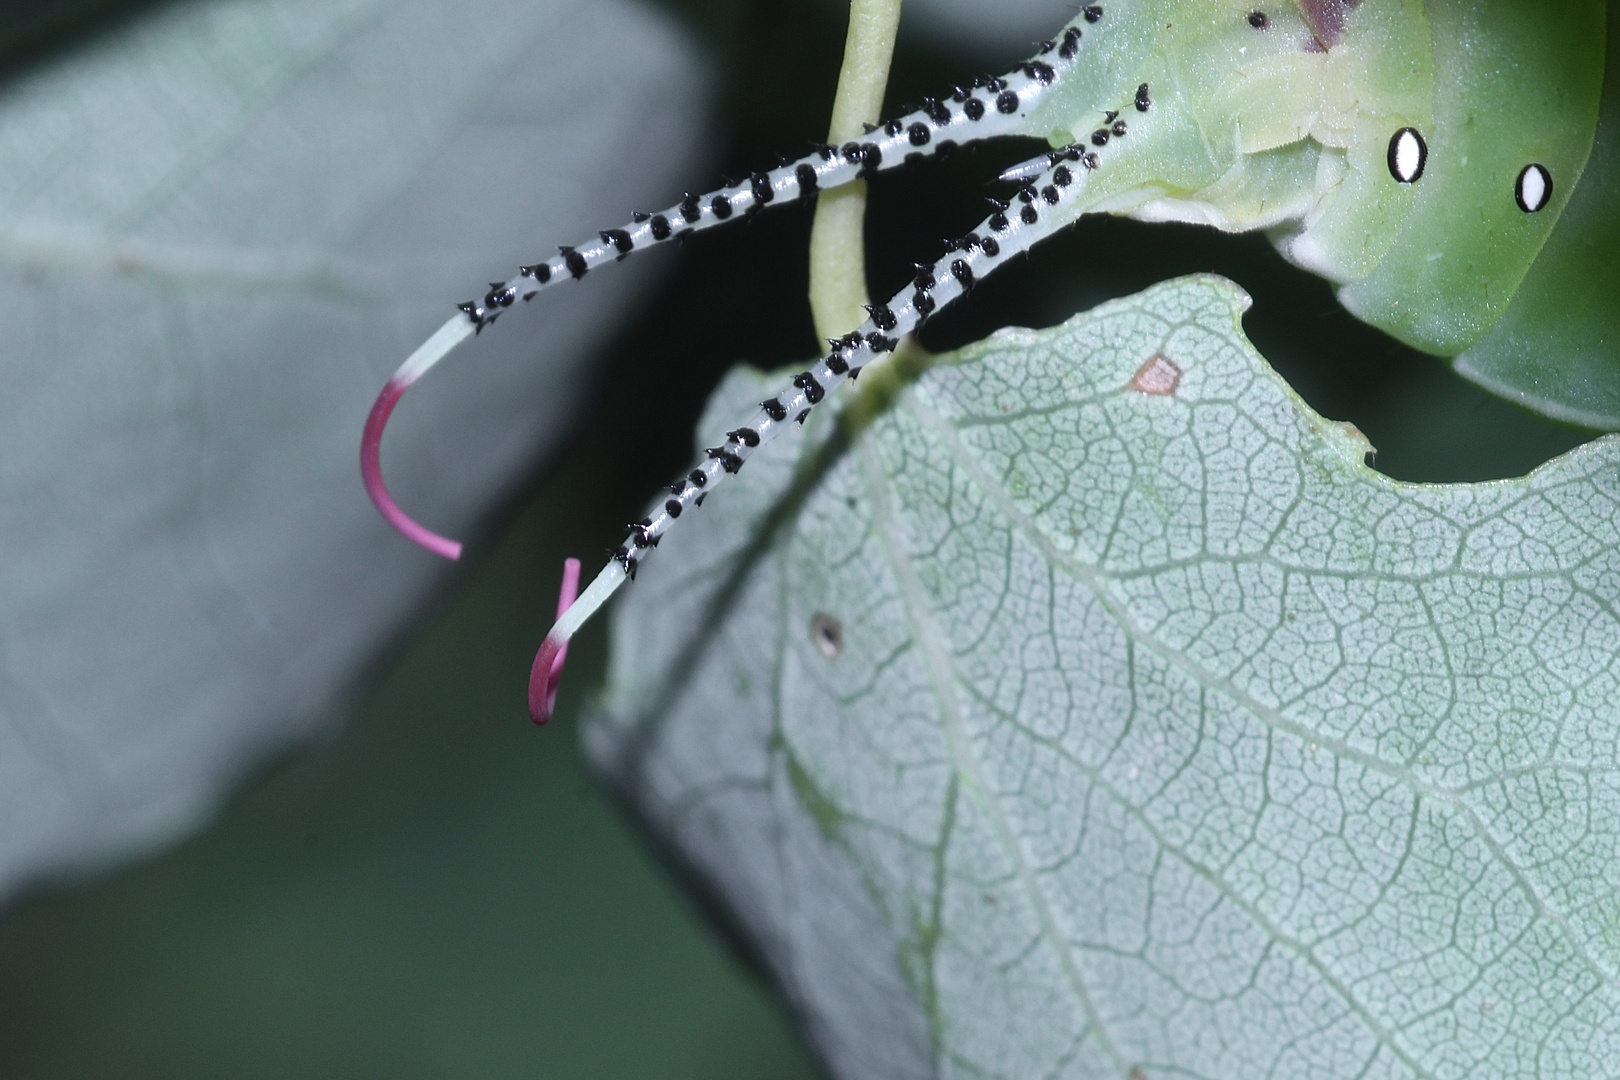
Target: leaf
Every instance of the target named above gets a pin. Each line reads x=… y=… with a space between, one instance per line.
x=1098 y=712
x=221 y=229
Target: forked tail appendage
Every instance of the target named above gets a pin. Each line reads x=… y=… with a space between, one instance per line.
x=993 y=107
x=1040 y=209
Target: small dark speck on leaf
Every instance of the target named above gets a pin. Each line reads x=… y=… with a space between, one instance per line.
x=828 y=634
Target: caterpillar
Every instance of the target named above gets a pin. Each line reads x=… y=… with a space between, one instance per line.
x=1428 y=157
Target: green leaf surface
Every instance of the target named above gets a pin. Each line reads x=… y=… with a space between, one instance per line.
x=1054 y=724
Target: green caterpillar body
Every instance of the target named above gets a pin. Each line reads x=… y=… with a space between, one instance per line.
x=1433 y=158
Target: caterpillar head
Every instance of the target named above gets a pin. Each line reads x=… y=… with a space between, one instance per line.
x=1280 y=117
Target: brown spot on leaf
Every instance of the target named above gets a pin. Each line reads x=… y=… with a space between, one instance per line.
x=828 y=634
x=1158 y=376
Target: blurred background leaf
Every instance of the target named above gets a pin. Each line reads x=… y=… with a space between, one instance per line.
x=221 y=226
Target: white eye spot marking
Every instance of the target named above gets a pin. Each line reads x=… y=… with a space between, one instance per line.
x=1408 y=153
x=828 y=634
x=1533 y=189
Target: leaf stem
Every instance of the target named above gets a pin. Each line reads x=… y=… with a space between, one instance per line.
x=837 y=241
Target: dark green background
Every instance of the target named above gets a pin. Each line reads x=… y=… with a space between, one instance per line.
x=440 y=890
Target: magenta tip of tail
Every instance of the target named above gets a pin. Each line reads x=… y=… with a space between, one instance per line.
x=371 y=473
x=547 y=670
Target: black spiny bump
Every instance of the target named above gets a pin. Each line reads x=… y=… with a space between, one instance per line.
x=760 y=185
x=774 y=409
x=673 y=508
x=882 y=317
x=1028 y=214
x=836 y=363
x=871 y=157
x=973 y=108
x=1259 y=20
x=925 y=277
x=690 y=210
x=1062 y=177
x=937 y=111
x=660 y=227
x=728 y=461
x=1093 y=12
x=918 y=134
x=803 y=413
x=638 y=216
x=893 y=127
x=541 y=272
x=852 y=152
x=721 y=207
x=1071 y=43
x=989 y=246
x=806 y=176
x=1047 y=46
x=1041 y=73
x=1119 y=127
x=1051 y=194
x=945 y=148
x=1144 y=101
x=922 y=304
x=1007 y=102
x=471 y=309
x=698 y=477
x=998 y=221
x=619 y=239
x=575 y=261
x=745 y=435
x=813 y=391
x=1099 y=137
x=962 y=272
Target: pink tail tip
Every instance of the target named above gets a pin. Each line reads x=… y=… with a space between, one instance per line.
x=548 y=662
x=371 y=473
